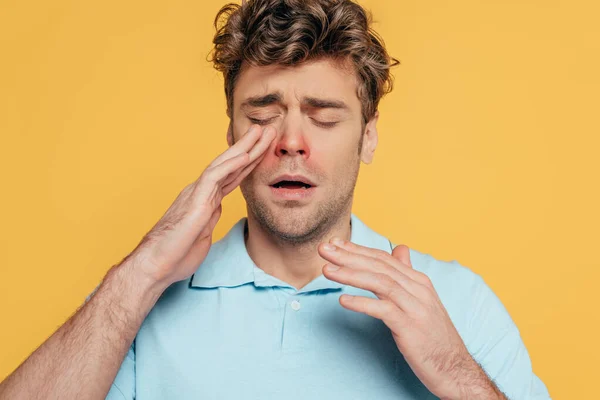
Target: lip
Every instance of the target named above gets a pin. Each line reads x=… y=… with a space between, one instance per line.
x=298 y=178
x=293 y=194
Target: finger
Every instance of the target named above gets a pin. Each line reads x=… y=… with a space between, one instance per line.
x=263 y=144
x=257 y=151
x=384 y=256
x=343 y=257
x=215 y=175
x=381 y=285
x=252 y=135
x=256 y=154
x=380 y=309
x=402 y=253
x=238 y=177
x=251 y=165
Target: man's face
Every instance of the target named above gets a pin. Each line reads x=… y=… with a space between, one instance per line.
x=306 y=179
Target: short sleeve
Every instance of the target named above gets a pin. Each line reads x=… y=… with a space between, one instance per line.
x=123 y=387
x=496 y=344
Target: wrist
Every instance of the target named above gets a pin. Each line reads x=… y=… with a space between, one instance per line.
x=136 y=291
x=473 y=383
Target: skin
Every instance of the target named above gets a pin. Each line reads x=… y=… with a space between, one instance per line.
x=82 y=358
x=409 y=305
x=321 y=143
x=298 y=242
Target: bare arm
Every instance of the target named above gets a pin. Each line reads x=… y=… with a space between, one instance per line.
x=81 y=359
x=474 y=383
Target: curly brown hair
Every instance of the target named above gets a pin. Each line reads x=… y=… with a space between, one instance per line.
x=289 y=32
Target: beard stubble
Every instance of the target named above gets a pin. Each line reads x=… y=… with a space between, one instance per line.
x=288 y=223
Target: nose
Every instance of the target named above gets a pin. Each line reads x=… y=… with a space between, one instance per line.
x=292 y=140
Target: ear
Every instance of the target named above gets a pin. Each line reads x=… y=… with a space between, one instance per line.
x=230 y=134
x=370 y=139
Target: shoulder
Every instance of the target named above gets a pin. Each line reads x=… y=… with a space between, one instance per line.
x=460 y=289
x=450 y=279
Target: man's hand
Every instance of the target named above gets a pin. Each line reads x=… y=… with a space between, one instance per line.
x=174 y=248
x=81 y=359
x=409 y=305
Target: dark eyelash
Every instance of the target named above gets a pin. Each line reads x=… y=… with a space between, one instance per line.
x=261 y=121
x=325 y=124
x=318 y=123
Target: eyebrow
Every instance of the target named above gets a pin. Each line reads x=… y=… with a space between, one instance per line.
x=274 y=98
x=324 y=103
x=262 y=101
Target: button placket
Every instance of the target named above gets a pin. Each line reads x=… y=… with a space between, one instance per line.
x=297 y=331
x=295 y=304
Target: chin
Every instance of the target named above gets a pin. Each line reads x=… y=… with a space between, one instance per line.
x=289 y=222
x=294 y=221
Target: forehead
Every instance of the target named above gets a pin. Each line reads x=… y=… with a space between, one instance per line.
x=323 y=78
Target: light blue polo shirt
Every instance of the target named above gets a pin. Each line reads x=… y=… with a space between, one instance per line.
x=233 y=332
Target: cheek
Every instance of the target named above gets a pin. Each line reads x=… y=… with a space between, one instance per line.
x=333 y=163
x=268 y=163
x=340 y=150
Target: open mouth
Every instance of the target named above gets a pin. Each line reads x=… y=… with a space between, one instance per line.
x=291 y=185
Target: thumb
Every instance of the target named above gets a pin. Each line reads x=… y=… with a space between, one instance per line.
x=402 y=253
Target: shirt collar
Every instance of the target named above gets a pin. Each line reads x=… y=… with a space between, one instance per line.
x=228 y=263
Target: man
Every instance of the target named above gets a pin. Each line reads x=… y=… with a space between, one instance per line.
x=301 y=299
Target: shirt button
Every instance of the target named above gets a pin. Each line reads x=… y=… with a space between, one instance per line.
x=295 y=305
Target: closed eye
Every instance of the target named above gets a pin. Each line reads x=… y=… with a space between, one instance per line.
x=324 y=124
x=266 y=121
x=261 y=121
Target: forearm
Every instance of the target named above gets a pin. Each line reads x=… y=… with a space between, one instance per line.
x=82 y=358
x=475 y=384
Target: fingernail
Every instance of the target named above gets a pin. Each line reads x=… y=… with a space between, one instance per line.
x=337 y=241
x=328 y=247
x=331 y=267
x=346 y=297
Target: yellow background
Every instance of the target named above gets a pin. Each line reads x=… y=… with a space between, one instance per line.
x=488 y=154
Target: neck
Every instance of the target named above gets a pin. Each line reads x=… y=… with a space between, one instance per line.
x=294 y=263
